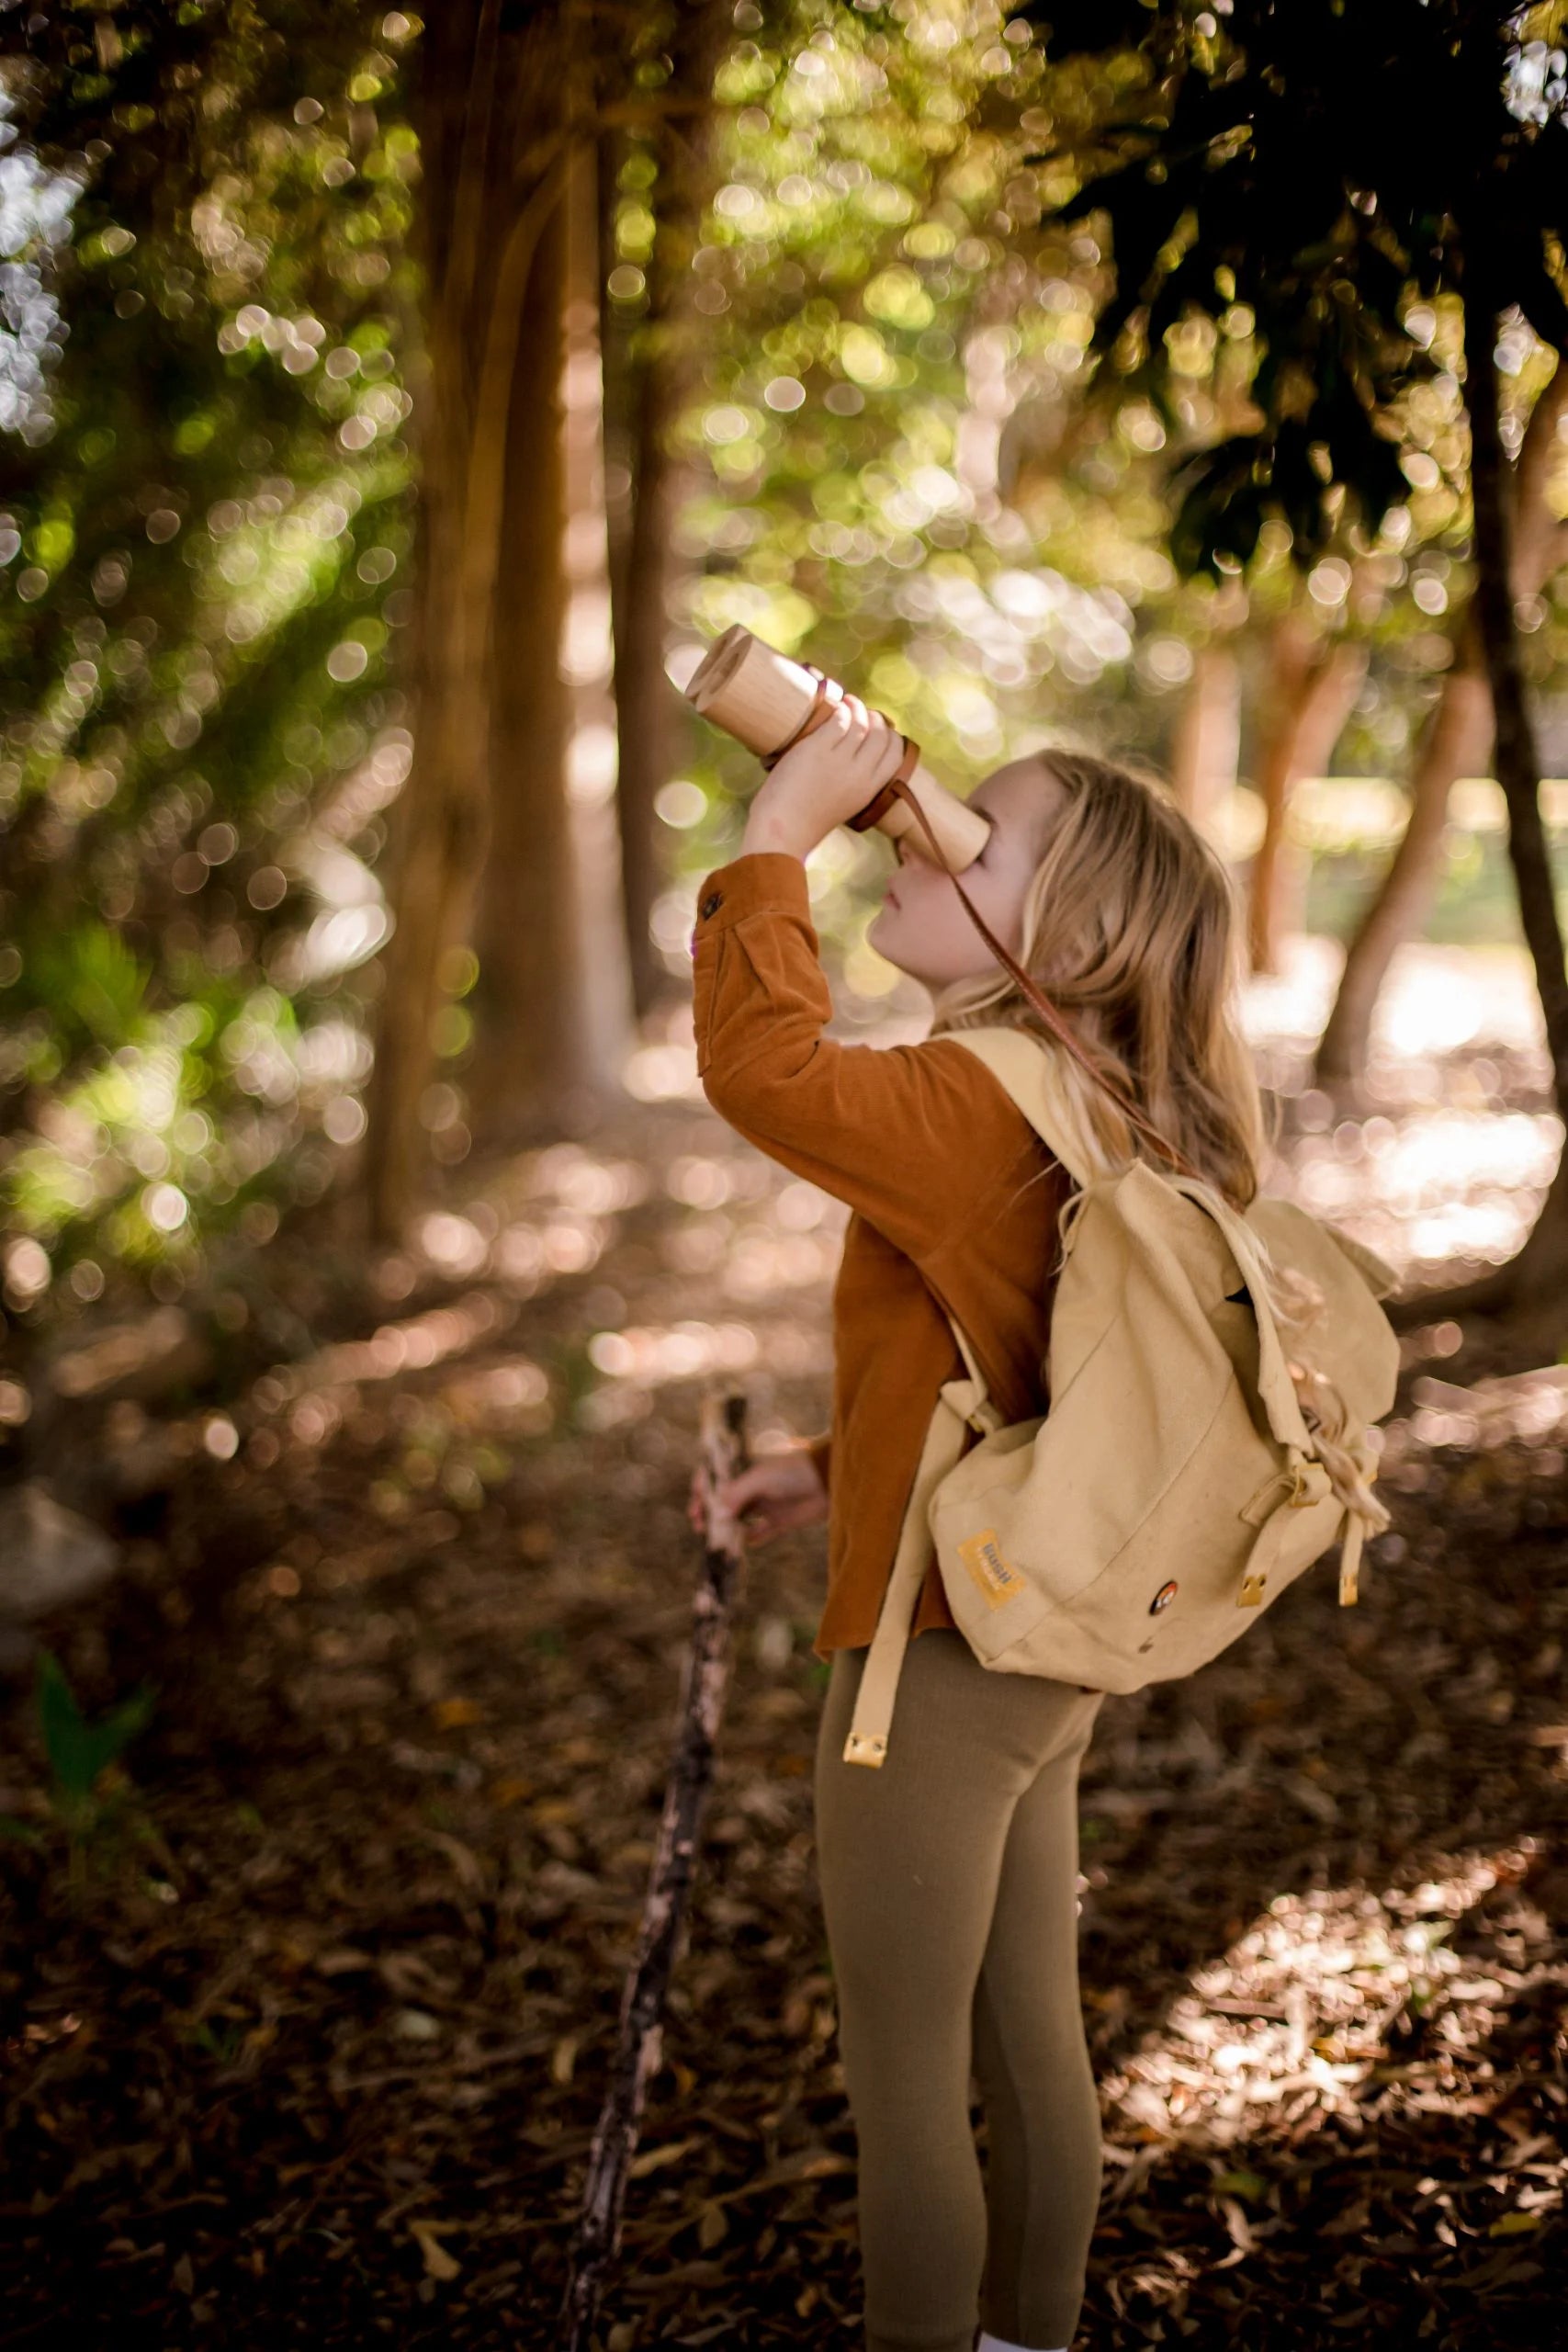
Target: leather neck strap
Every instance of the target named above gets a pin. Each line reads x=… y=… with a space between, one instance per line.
x=828 y=694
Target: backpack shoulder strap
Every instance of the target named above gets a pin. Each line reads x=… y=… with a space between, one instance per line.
x=1026 y=1069
x=959 y=1402
x=1031 y=1077
x=1275 y=1386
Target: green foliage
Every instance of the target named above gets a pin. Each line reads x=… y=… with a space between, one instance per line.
x=892 y=473
x=210 y=512
x=81 y=1755
x=918 y=458
x=1316 y=167
x=79 y=1752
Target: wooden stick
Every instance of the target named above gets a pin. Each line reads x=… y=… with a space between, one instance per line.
x=639 y=2047
x=760 y=698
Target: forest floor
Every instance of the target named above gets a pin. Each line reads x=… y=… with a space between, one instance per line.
x=307 y=2026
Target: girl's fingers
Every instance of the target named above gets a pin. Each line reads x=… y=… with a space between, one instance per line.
x=892 y=752
x=874 y=734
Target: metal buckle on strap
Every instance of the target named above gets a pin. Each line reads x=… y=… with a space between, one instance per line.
x=1289 y=1488
x=1300 y=1496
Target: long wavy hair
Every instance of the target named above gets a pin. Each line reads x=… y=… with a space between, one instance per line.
x=1132 y=926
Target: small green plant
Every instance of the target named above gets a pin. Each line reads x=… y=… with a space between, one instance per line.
x=221 y=2039
x=80 y=1754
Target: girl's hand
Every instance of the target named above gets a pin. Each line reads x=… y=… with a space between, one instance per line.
x=781 y=1491
x=827 y=778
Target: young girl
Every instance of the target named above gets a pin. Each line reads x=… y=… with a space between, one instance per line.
x=949 y=1876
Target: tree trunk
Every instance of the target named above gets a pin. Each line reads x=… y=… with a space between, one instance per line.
x=552 y=1009
x=588 y=653
x=1518 y=759
x=1207 y=744
x=651 y=720
x=1457 y=743
x=645 y=701
x=615 y=336
x=524 y=934
x=491 y=132
x=1313 y=686
x=507 y=105
x=437 y=829
x=1532 y=1282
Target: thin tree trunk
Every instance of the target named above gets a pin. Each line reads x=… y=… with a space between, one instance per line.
x=1532 y=1281
x=525 y=932
x=552 y=1008
x=1518 y=758
x=438 y=832
x=1457 y=742
x=481 y=188
x=643 y=699
x=651 y=717
x=1207 y=744
x=588 y=656
x=1313 y=686
x=615 y=345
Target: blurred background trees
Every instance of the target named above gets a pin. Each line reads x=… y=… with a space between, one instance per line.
x=210 y=512
x=1324 y=167
x=389 y=409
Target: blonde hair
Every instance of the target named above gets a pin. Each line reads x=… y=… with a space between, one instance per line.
x=1132 y=927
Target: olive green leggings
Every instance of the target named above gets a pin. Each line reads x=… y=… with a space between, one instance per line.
x=949 y=1884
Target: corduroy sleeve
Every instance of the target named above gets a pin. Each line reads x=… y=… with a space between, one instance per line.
x=912 y=1136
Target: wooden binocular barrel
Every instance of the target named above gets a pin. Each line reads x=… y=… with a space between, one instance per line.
x=763 y=698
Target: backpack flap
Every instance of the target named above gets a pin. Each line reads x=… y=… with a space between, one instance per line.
x=1276 y=1388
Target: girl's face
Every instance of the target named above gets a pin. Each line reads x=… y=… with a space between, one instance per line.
x=921 y=925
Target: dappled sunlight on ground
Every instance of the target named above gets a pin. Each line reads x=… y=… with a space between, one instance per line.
x=1289 y=2023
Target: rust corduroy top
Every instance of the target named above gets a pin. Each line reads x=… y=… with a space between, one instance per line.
x=955 y=1199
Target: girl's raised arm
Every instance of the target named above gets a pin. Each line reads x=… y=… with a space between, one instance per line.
x=913 y=1136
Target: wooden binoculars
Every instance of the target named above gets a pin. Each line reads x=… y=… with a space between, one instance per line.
x=767 y=701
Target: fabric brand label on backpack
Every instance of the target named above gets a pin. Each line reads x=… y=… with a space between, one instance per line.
x=998 y=1582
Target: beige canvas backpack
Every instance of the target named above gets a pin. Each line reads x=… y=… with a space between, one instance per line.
x=1177 y=1485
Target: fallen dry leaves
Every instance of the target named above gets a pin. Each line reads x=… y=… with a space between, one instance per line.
x=323 y=2064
